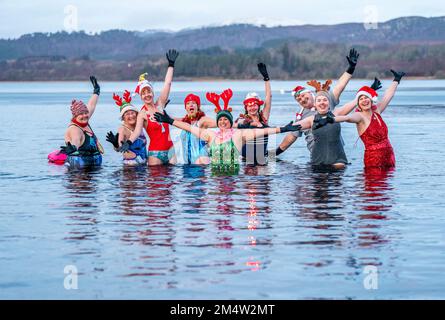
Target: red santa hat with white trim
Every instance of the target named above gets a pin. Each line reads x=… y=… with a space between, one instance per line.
x=300 y=90
x=368 y=92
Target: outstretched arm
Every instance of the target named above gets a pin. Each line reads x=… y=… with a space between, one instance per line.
x=344 y=79
x=356 y=117
x=171 y=57
x=201 y=133
x=346 y=109
x=207 y=122
x=249 y=134
x=91 y=105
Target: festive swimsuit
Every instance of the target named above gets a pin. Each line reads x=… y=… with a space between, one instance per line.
x=328 y=146
x=378 y=149
x=138 y=151
x=193 y=147
x=254 y=152
x=224 y=156
x=87 y=155
x=161 y=146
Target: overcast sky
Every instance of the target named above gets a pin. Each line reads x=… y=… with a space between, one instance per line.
x=21 y=17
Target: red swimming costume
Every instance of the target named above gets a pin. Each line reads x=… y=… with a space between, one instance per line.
x=378 y=149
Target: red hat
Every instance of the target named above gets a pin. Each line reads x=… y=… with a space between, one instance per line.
x=252 y=97
x=368 y=92
x=192 y=97
x=299 y=90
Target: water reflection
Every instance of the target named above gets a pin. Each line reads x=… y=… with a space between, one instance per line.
x=82 y=204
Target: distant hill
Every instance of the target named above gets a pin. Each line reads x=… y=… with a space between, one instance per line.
x=415 y=45
x=119 y=44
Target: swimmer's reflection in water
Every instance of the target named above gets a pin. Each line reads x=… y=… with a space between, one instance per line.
x=82 y=206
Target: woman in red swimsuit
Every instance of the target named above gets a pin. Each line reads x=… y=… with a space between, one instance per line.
x=371 y=127
x=160 y=150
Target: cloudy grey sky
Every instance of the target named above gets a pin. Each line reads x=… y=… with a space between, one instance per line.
x=21 y=17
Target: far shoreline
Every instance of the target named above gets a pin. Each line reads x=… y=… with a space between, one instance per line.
x=204 y=79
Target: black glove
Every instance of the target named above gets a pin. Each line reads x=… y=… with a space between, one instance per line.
x=398 y=75
x=168 y=101
x=263 y=70
x=68 y=149
x=171 y=55
x=95 y=85
x=376 y=85
x=352 y=60
x=290 y=127
x=113 y=139
x=125 y=146
x=321 y=121
x=163 y=117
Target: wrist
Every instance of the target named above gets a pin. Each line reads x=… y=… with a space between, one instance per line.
x=350 y=70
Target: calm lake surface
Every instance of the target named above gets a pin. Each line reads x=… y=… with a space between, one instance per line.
x=178 y=232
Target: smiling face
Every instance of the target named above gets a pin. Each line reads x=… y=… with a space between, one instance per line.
x=130 y=118
x=322 y=104
x=364 y=103
x=252 y=108
x=224 y=123
x=306 y=100
x=82 y=118
x=147 y=95
x=192 y=108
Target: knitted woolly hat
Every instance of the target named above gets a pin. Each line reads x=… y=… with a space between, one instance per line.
x=78 y=107
x=193 y=97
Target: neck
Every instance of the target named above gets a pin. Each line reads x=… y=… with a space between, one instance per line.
x=80 y=124
x=130 y=126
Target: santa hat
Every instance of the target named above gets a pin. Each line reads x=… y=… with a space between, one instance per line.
x=125 y=103
x=252 y=97
x=214 y=98
x=143 y=83
x=193 y=97
x=368 y=92
x=300 y=90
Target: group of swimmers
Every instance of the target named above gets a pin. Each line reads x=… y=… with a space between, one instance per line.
x=246 y=137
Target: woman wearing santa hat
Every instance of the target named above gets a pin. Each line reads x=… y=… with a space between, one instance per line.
x=82 y=146
x=306 y=99
x=160 y=150
x=226 y=143
x=137 y=152
x=254 y=152
x=370 y=125
x=195 y=150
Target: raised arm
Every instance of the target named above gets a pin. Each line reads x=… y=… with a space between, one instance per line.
x=171 y=57
x=345 y=77
x=389 y=93
x=268 y=100
x=142 y=116
x=91 y=105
